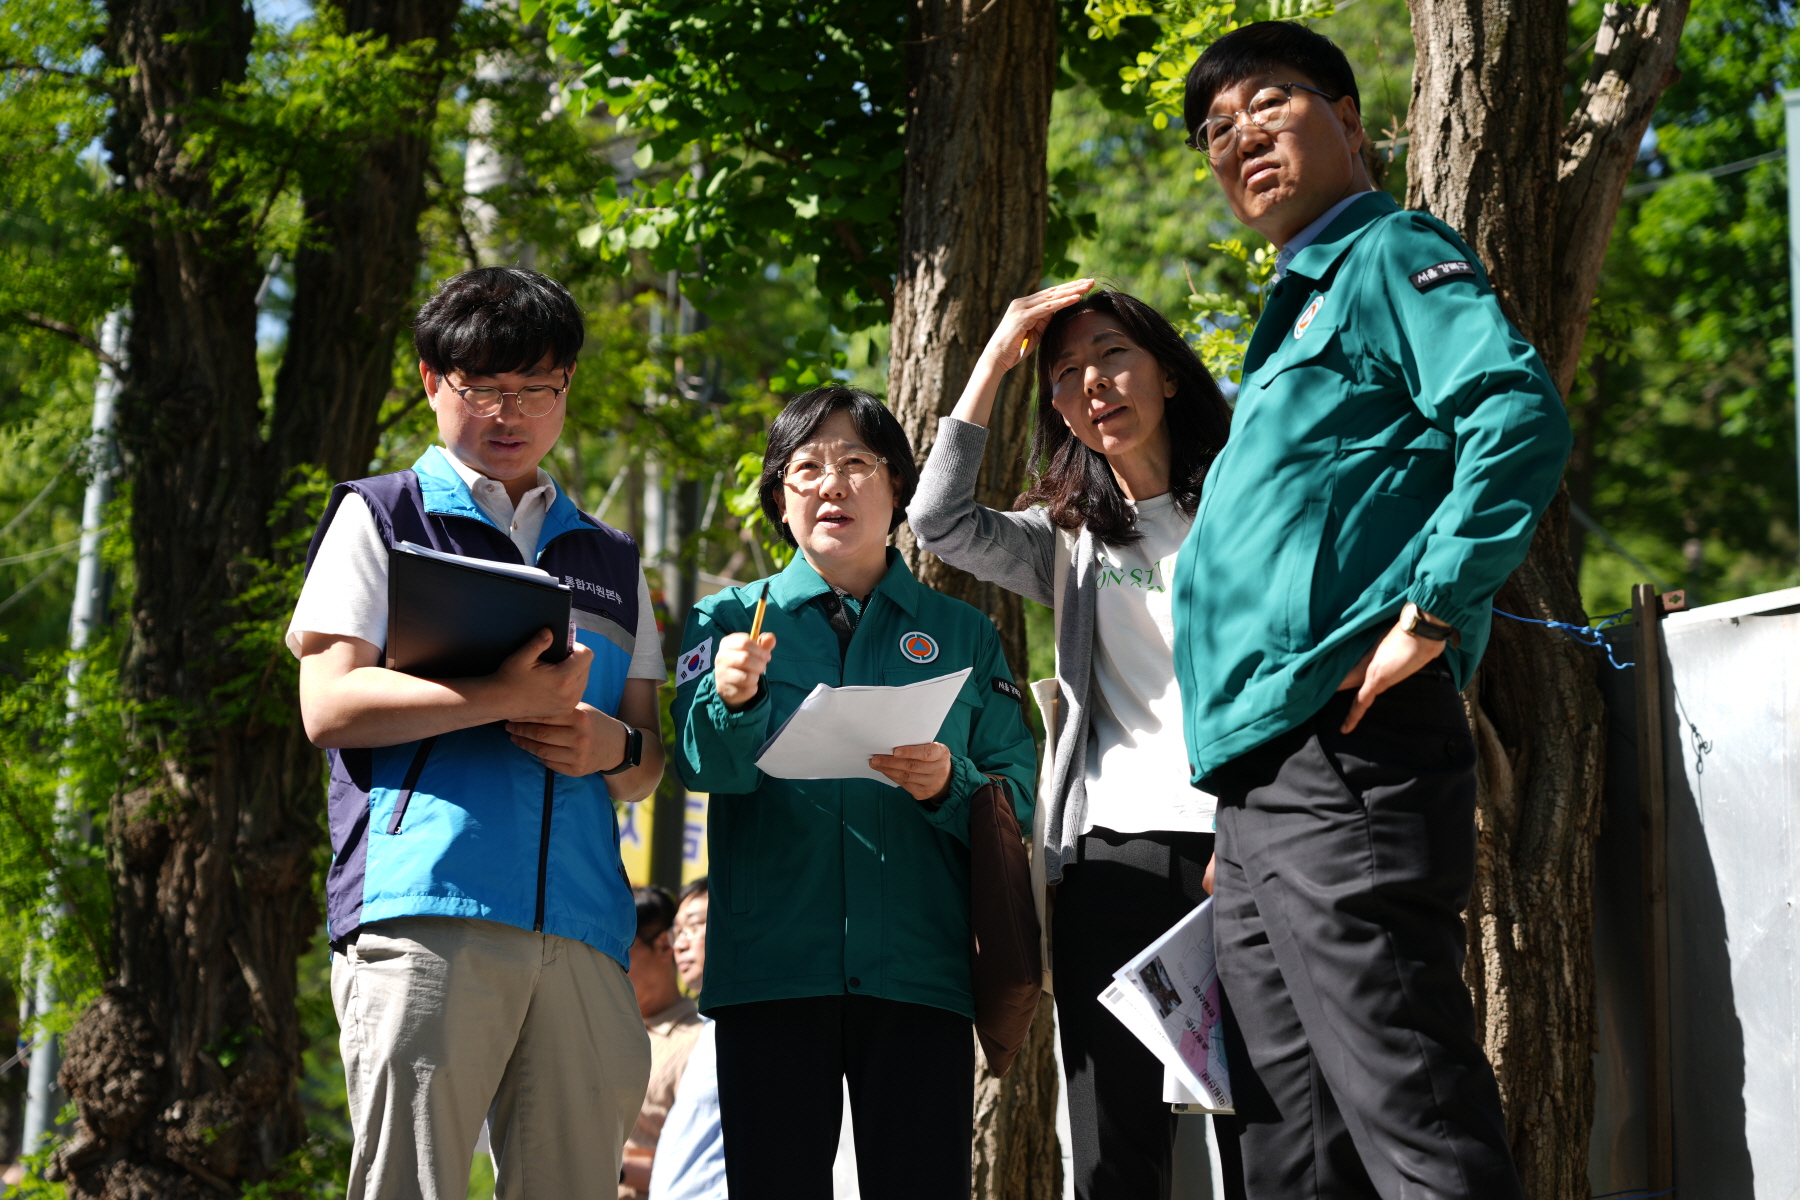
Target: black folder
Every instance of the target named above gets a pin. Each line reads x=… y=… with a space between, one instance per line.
x=453 y=617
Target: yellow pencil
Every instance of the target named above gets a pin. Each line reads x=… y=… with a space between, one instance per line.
x=1024 y=345
x=762 y=603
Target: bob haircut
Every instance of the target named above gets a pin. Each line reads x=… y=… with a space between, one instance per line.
x=496 y=320
x=1075 y=483
x=800 y=421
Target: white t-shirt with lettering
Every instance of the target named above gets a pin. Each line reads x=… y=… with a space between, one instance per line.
x=346 y=591
x=1137 y=767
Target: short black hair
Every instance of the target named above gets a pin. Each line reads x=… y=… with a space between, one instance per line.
x=655 y=912
x=1258 y=48
x=800 y=420
x=1075 y=483
x=495 y=320
x=697 y=888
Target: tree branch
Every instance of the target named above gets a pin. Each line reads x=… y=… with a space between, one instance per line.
x=41 y=69
x=859 y=256
x=1634 y=63
x=281 y=175
x=412 y=403
x=40 y=321
x=453 y=206
x=963 y=28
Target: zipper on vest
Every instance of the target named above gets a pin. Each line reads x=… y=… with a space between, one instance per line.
x=410 y=782
x=537 y=925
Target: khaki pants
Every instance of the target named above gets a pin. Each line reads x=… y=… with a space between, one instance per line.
x=446 y=1021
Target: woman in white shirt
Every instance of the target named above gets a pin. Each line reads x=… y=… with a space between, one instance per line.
x=1128 y=420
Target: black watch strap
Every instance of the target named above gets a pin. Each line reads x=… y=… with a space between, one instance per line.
x=634 y=751
x=1431 y=631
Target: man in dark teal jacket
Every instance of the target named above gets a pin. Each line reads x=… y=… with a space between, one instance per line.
x=1394 y=443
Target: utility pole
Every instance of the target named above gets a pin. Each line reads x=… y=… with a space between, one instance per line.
x=1792 y=101
x=43 y=1096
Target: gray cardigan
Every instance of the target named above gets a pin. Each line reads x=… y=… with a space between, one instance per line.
x=1017 y=551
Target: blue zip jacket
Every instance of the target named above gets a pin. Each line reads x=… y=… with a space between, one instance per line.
x=466 y=824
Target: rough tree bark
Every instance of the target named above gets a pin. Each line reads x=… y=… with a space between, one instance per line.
x=1535 y=194
x=980 y=76
x=184 y=1070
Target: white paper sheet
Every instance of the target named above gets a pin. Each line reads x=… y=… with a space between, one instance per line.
x=835 y=730
x=1168 y=996
x=520 y=570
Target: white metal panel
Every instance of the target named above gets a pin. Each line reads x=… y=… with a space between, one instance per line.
x=1734 y=873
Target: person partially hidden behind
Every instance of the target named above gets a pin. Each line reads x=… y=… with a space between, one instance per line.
x=673 y=1022
x=690 y=1159
x=480 y=922
x=1394 y=443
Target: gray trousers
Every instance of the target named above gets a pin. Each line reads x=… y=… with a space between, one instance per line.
x=446 y=1021
x=1344 y=864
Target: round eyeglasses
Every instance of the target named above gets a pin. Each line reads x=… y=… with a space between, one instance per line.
x=534 y=401
x=1268 y=111
x=804 y=473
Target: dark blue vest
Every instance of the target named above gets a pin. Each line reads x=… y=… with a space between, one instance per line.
x=466 y=824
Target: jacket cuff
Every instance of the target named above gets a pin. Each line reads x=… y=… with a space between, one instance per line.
x=963 y=436
x=752 y=719
x=962 y=445
x=1438 y=601
x=952 y=812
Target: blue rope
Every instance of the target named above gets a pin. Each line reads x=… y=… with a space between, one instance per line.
x=1587 y=635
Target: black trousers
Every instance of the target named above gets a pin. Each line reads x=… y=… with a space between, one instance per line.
x=1123 y=891
x=1344 y=864
x=911 y=1070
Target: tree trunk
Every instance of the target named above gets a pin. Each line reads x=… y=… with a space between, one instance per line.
x=1536 y=195
x=184 y=1070
x=979 y=80
x=354 y=279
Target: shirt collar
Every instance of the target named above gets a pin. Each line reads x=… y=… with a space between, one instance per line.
x=471 y=477
x=1326 y=240
x=799 y=583
x=444 y=483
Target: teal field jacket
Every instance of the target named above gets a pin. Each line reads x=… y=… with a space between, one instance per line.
x=1395 y=439
x=826 y=887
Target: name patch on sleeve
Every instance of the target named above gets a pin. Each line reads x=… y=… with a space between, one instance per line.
x=695 y=663
x=1008 y=688
x=1430 y=277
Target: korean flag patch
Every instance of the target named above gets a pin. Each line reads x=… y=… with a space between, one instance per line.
x=694 y=663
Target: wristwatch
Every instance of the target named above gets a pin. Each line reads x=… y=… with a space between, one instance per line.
x=634 y=750
x=1416 y=621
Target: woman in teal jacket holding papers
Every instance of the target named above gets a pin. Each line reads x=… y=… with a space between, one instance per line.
x=838 y=938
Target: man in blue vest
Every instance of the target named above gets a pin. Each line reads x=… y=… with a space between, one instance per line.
x=480 y=920
x=1394 y=443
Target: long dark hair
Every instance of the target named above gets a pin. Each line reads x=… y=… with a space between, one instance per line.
x=1075 y=483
